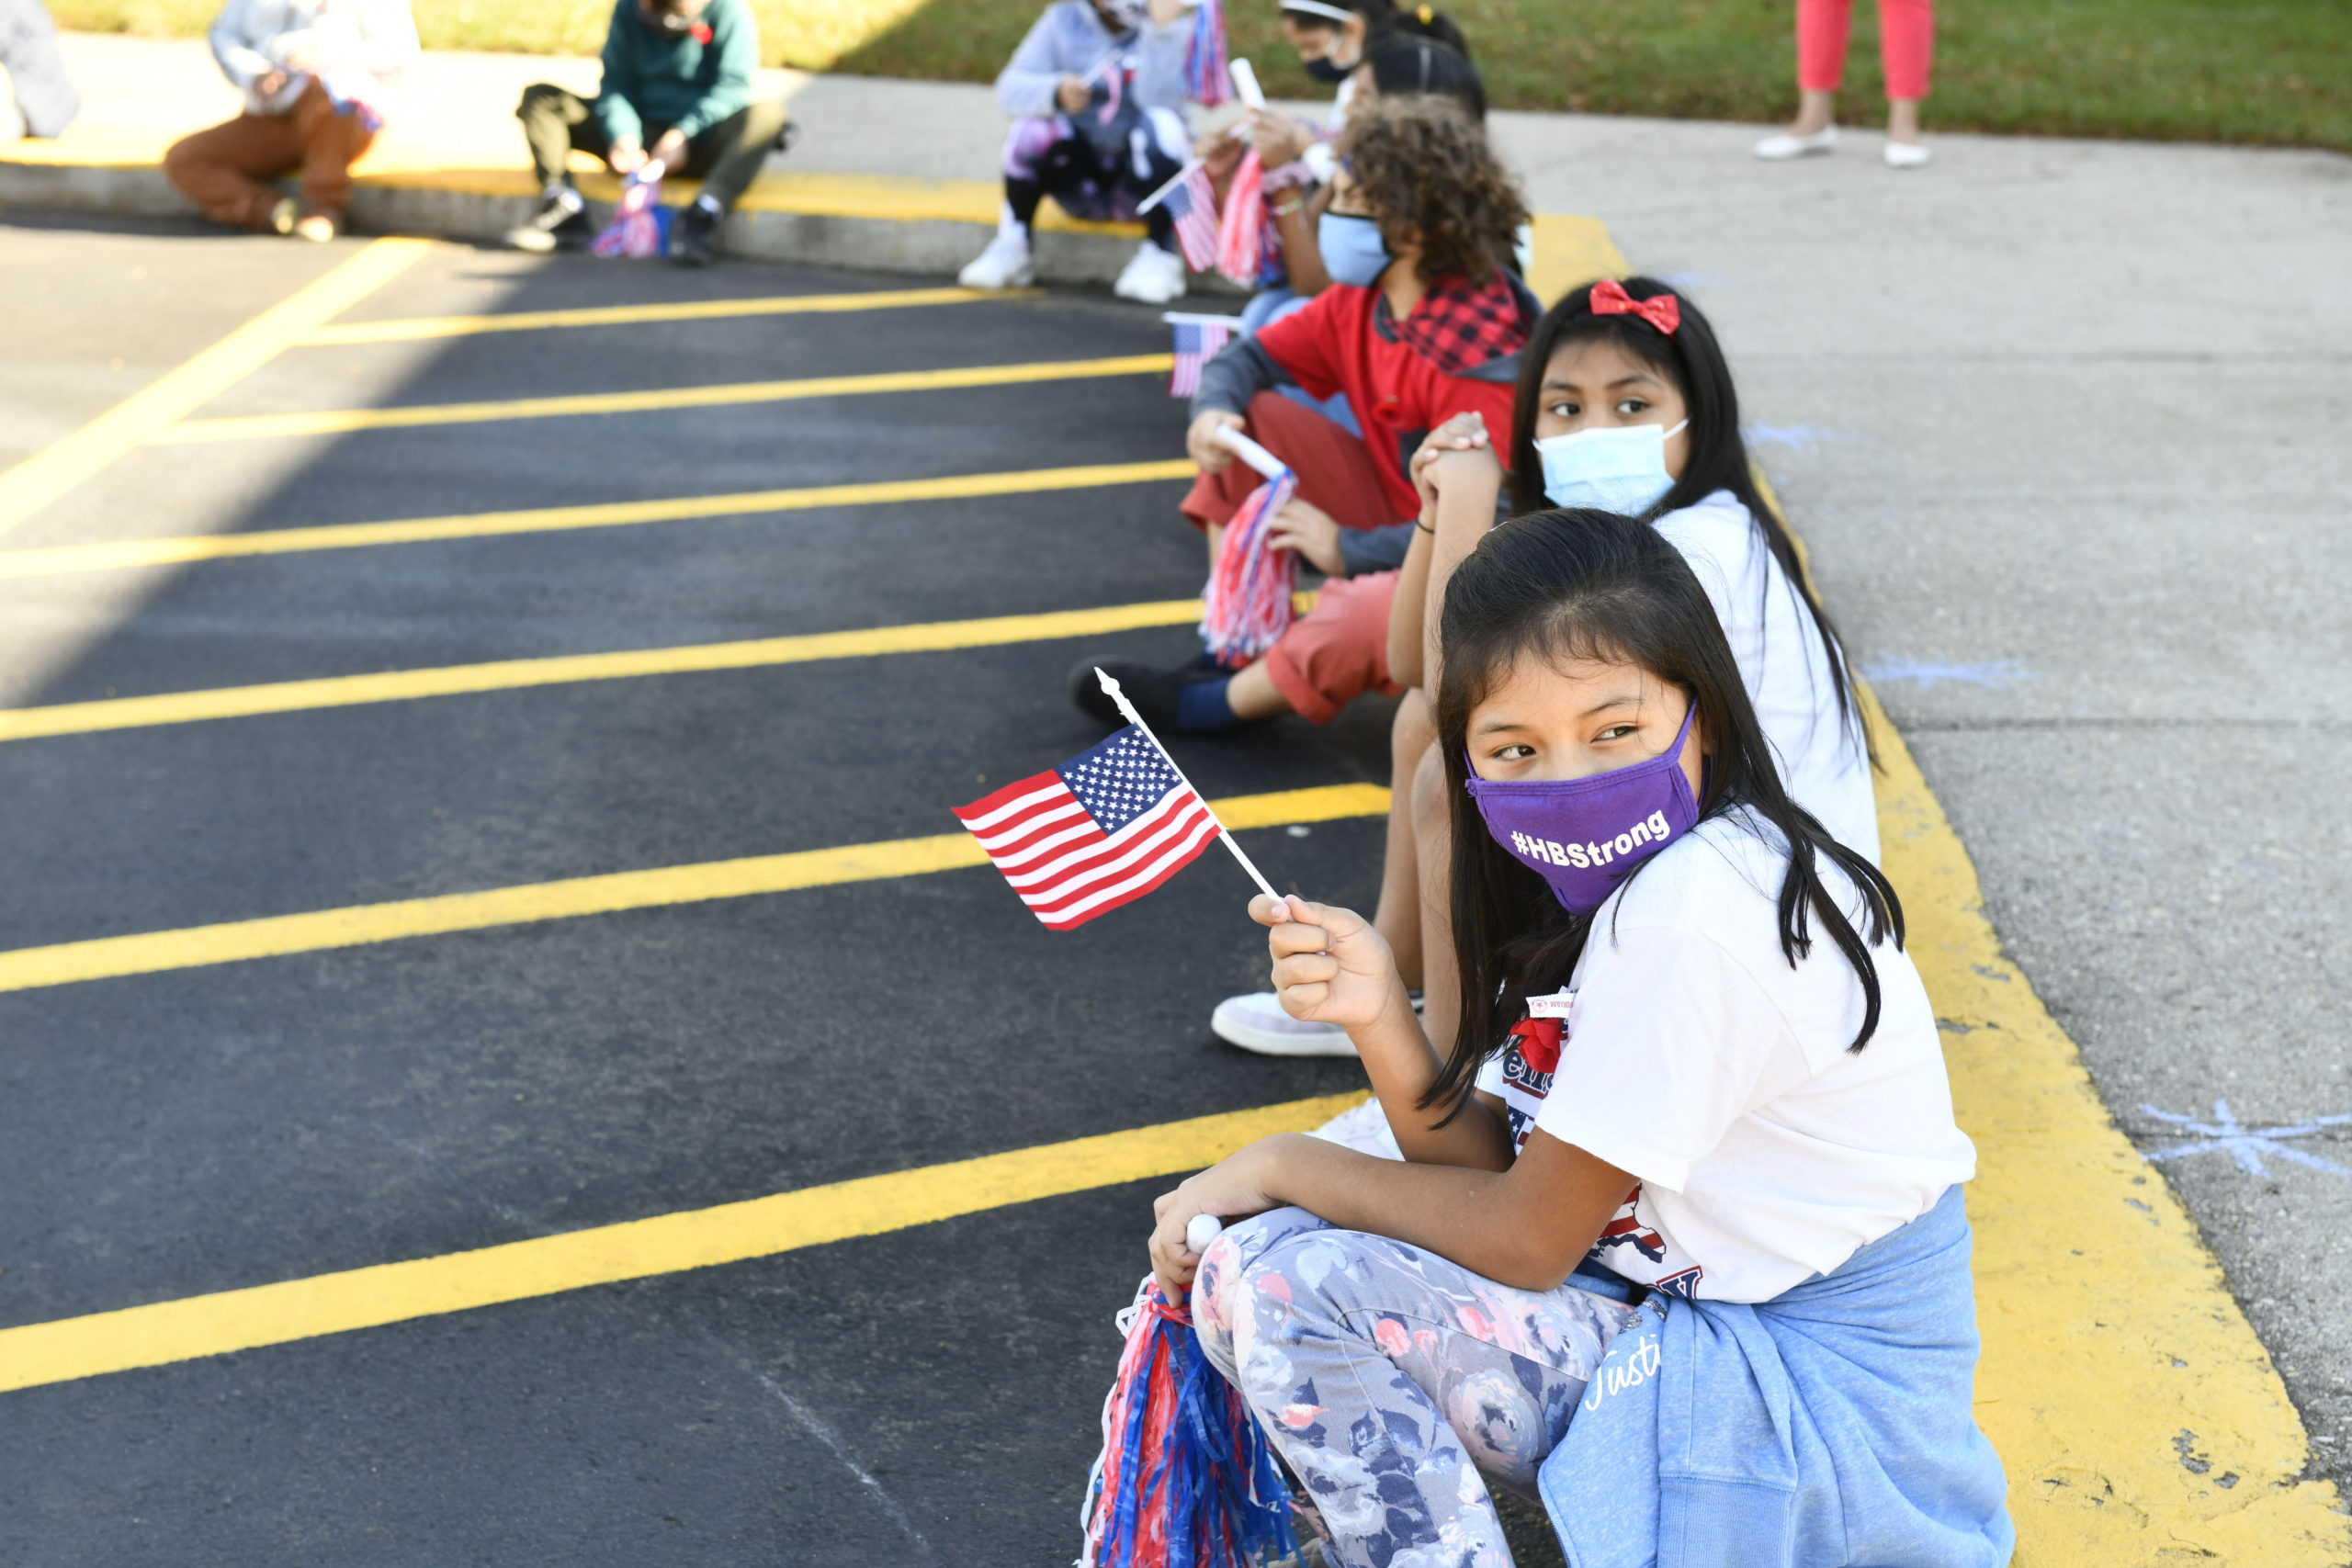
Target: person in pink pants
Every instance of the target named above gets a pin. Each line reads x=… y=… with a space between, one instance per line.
x=1906 y=30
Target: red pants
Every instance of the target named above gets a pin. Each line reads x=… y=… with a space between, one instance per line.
x=1906 y=41
x=1341 y=650
x=224 y=169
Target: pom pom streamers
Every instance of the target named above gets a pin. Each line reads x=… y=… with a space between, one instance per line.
x=1246 y=604
x=1242 y=231
x=641 y=225
x=1204 y=81
x=1185 y=1479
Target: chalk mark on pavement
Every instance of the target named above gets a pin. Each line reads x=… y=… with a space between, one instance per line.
x=2247 y=1145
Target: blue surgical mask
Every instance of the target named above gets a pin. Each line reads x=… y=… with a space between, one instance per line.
x=1352 y=249
x=1619 y=469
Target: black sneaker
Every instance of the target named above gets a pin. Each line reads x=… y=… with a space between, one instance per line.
x=560 y=224
x=693 y=236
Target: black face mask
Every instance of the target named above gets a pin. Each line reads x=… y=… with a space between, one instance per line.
x=1328 y=71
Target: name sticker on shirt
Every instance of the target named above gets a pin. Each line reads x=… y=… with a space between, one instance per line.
x=1556 y=1005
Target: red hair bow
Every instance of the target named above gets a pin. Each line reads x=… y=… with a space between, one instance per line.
x=1539 y=1043
x=1663 y=311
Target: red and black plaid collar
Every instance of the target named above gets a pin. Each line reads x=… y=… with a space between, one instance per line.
x=1460 y=325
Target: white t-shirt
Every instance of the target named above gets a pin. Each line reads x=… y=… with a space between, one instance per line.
x=1696 y=1059
x=1787 y=672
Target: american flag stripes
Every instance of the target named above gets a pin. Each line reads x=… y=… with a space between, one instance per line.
x=1103 y=828
x=1191 y=200
x=1198 y=338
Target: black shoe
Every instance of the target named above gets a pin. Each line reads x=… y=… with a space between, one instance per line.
x=693 y=236
x=1153 y=691
x=560 y=224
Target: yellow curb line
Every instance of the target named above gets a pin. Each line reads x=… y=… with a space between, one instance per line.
x=2109 y=1331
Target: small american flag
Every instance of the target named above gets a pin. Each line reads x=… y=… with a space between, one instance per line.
x=1191 y=200
x=1103 y=828
x=1198 y=338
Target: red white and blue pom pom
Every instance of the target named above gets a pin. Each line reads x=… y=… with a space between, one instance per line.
x=1247 y=605
x=1185 y=1479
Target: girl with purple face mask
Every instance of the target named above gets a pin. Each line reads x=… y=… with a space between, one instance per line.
x=1692 y=1151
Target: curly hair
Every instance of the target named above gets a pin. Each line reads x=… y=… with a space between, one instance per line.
x=1427 y=175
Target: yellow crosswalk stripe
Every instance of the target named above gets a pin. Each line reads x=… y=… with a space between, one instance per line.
x=125 y=554
x=164 y=1332
x=420 y=329
x=343 y=422
x=276 y=936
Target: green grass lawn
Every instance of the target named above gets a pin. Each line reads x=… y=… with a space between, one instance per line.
x=2276 y=71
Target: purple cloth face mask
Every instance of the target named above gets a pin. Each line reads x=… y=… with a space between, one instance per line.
x=1585 y=836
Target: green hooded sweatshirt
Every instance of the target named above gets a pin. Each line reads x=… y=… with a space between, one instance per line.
x=687 y=82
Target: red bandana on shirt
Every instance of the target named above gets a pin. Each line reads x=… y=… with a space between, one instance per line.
x=1459 y=326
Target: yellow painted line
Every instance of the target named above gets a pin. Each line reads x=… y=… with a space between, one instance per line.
x=1571 y=251
x=342 y=422
x=417 y=329
x=2107 y=1329
x=217 y=1324
x=515 y=675
x=125 y=554
x=277 y=936
x=61 y=465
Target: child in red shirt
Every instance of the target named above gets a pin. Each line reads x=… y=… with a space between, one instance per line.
x=1421 y=322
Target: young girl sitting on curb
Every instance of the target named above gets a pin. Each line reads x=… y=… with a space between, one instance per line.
x=1421 y=322
x=1097 y=93
x=1678 y=1241
x=1626 y=404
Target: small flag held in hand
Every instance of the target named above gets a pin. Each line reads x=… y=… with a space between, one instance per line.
x=1198 y=340
x=1105 y=828
x=1191 y=201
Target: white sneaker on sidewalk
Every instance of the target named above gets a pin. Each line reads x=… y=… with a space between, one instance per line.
x=1907 y=156
x=1257 y=1023
x=1004 y=264
x=1781 y=148
x=1153 y=275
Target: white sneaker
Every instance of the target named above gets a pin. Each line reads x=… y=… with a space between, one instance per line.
x=1004 y=264
x=1907 y=156
x=1257 y=1023
x=1156 y=278
x=1781 y=148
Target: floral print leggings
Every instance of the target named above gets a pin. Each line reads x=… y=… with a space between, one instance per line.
x=1389 y=1379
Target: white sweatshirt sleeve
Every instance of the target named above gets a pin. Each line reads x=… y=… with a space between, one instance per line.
x=236 y=48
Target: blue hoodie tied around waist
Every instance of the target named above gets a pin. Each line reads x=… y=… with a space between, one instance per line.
x=1831 y=1425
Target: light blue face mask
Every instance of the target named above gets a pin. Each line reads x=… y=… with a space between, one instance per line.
x=1619 y=469
x=1352 y=249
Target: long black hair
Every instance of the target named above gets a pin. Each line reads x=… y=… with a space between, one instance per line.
x=1563 y=585
x=1406 y=65
x=1694 y=360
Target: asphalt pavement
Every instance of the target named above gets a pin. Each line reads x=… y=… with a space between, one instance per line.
x=928 y=1395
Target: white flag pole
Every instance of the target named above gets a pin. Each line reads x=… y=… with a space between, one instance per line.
x=1155 y=198
x=1230 y=436
x=1111 y=688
